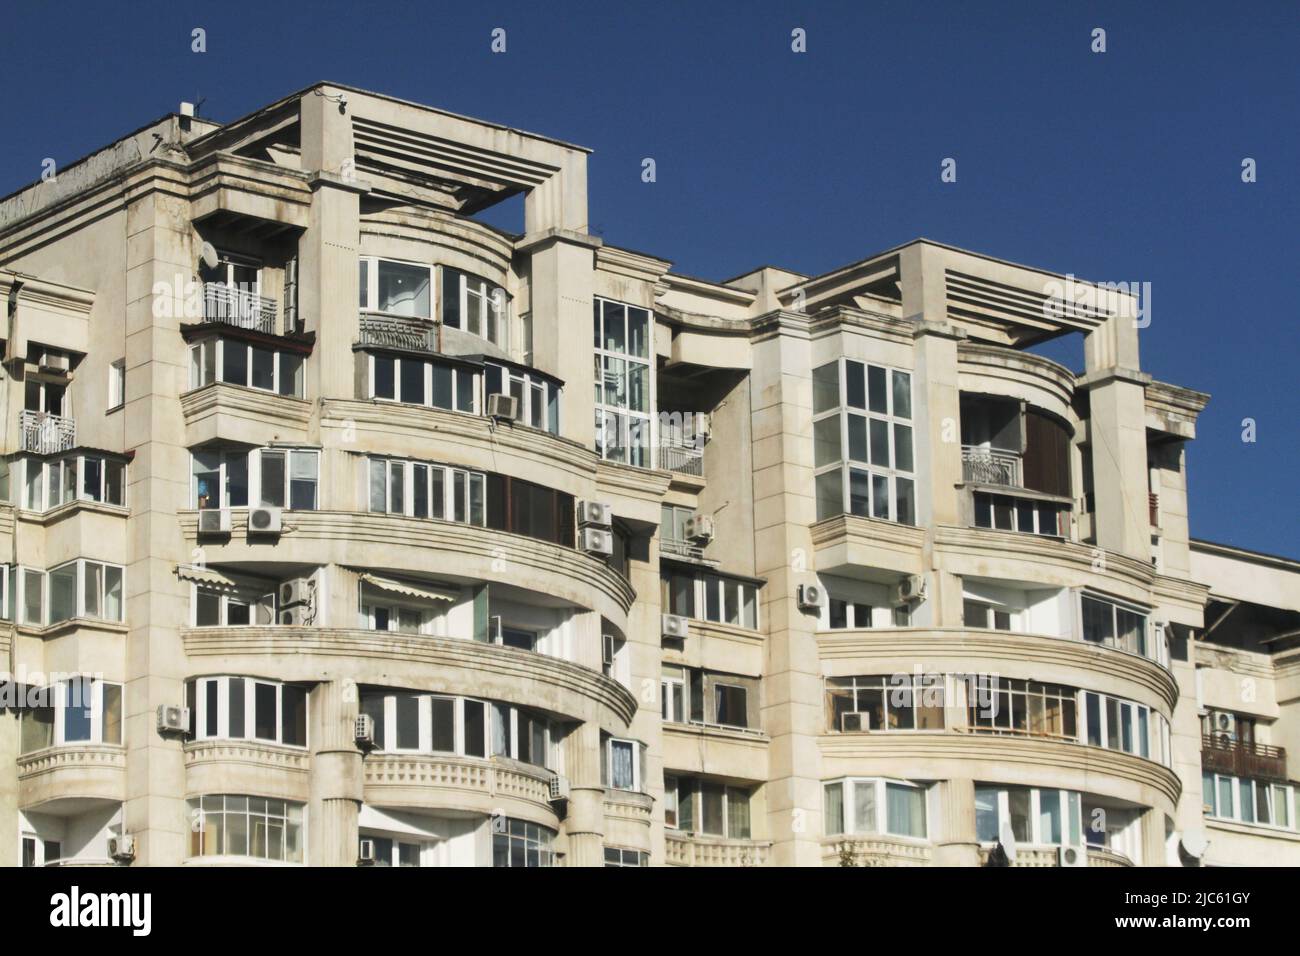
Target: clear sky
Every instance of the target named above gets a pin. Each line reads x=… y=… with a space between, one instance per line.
x=1122 y=166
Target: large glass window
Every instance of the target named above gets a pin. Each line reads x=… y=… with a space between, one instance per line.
x=862 y=441
x=709 y=597
x=1256 y=802
x=431 y=383
x=244 y=826
x=1118 y=625
x=538 y=397
x=86 y=589
x=52 y=483
x=247 y=708
x=1035 y=816
x=235 y=362
x=269 y=477
x=434 y=723
x=1003 y=705
x=870 y=805
x=79 y=710
x=885 y=703
x=707 y=807
x=519 y=843
x=475 y=305
x=624 y=383
x=421 y=489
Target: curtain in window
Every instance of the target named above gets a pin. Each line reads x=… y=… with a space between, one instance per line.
x=906 y=809
x=621 y=766
x=737 y=814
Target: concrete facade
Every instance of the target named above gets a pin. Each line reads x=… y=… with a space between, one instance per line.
x=287 y=579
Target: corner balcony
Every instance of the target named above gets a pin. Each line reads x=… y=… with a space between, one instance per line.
x=46 y=434
x=882 y=850
x=378 y=330
x=1239 y=758
x=990 y=466
x=228 y=305
x=699 y=850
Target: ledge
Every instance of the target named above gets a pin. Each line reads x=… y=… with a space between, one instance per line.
x=221 y=410
x=68 y=510
x=417 y=663
x=856 y=541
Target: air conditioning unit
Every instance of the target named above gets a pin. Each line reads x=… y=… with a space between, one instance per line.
x=365 y=852
x=297 y=616
x=596 y=541
x=676 y=626
x=214 y=521
x=911 y=588
x=502 y=406
x=559 y=787
x=51 y=360
x=122 y=847
x=1072 y=856
x=699 y=528
x=855 y=721
x=1225 y=723
x=173 y=719
x=296 y=591
x=811 y=597
x=595 y=513
x=264 y=521
x=364 y=732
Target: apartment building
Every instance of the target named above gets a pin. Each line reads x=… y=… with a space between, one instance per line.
x=343 y=528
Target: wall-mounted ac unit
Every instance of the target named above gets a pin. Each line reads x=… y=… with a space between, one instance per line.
x=811 y=597
x=676 y=626
x=297 y=616
x=595 y=513
x=365 y=852
x=503 y=407
x=122 y=847
x=1072 y=856
x=264 y=521
x=911 y=588
x=595 y=541
x=295 y=591
x=363 y=732
x=699 y=528
x=559 y=787
x=173 y=719
x=855 y=721
x=214 y=521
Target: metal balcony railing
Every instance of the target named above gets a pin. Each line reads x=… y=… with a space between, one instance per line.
x=1220 y=753
x=397 y=332
x=46 y=434
x=681 y=549
x=987 y=466
x=685 y=458
x=228 y=305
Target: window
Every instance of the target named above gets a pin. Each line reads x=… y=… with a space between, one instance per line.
x=1133 y=728
x=271 y=477
x=522 y=507
x=1256 y=802
x=397 y=288
x=50 y=483
x=519 y=843
x=247 y=606
x=287 y=478
x=980 y=614
x=862 y=441
x=843 y=614
x=538 y=396
x=673 y=695
x=710 y=597
x=730 y=705
x=220 y=478
x=885 y=703
x=247 y=708
x=624 y=383
x=1036 y=817
x=1009 y=706
x=433 y=724
x=257 y=827
x=235 y=362
x=8 y=581
x=86 y=589
x=117 y=384
x=705 y=806
x=416 y=381
x=1116 y=625
x=391 y=852
x=476 y=306
x=623 y=759
x=1025 y=515
x=421 y=489
x=857 y=805
x=80 y=710
x=614 y=856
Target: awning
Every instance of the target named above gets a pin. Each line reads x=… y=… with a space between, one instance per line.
x=427 y=592
x=206 y=577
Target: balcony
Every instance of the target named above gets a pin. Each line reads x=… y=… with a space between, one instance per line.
x=228 y=305
x=990 y=466
x=397 y=332
x=682 y=457
x=46 y=434
x=683 y=850
x=686 y=550
x=1239 y=758
x=879 y=850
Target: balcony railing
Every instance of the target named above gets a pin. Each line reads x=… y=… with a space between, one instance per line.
x=229 y=305
x=690 y=850
x=685 y=458
x=398 y=332
x=46 y=434
x=1222 y=754
x=987 y=466
x=681 y=549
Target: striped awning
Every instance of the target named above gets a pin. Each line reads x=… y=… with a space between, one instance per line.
x=427 y=592
x=206 y=576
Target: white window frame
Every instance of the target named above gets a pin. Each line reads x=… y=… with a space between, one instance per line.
x=80 y=611
x=201 y=374
x=116 y=384
x=451 y=477
x=1036 y=837
x=529 y=385
x=648 y=420
x=673 y=689
x=635 y=746
x=371 y=265
x=250 y=710
x=1236 y=815
x=60 y=734
x=249 y=597
x=881 y=825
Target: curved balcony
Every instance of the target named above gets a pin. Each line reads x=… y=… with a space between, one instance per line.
x=991 y=370
x=430 y=547
x=1057 y=660
x=247 y=766
x=627 y=819
x=428 y=781
x=1027 y=761
x=438 y=665
x=683 y=850
x=1039 y=856
x=875 y=851
x=72 y=772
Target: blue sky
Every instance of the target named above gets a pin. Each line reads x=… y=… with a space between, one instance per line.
x=1122 y=166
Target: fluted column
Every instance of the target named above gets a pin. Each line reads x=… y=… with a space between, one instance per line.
x=957 y=844
x=336 y=784
x=585 y=823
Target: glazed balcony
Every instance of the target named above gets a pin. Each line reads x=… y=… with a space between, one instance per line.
x=1241 y=758
x=378 y=330
x=46 y=434
x=229 y=305
x=699 y=850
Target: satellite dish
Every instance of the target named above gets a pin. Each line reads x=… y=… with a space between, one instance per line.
x=208 y=256
x=1194 y=843
x=1008 y=840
